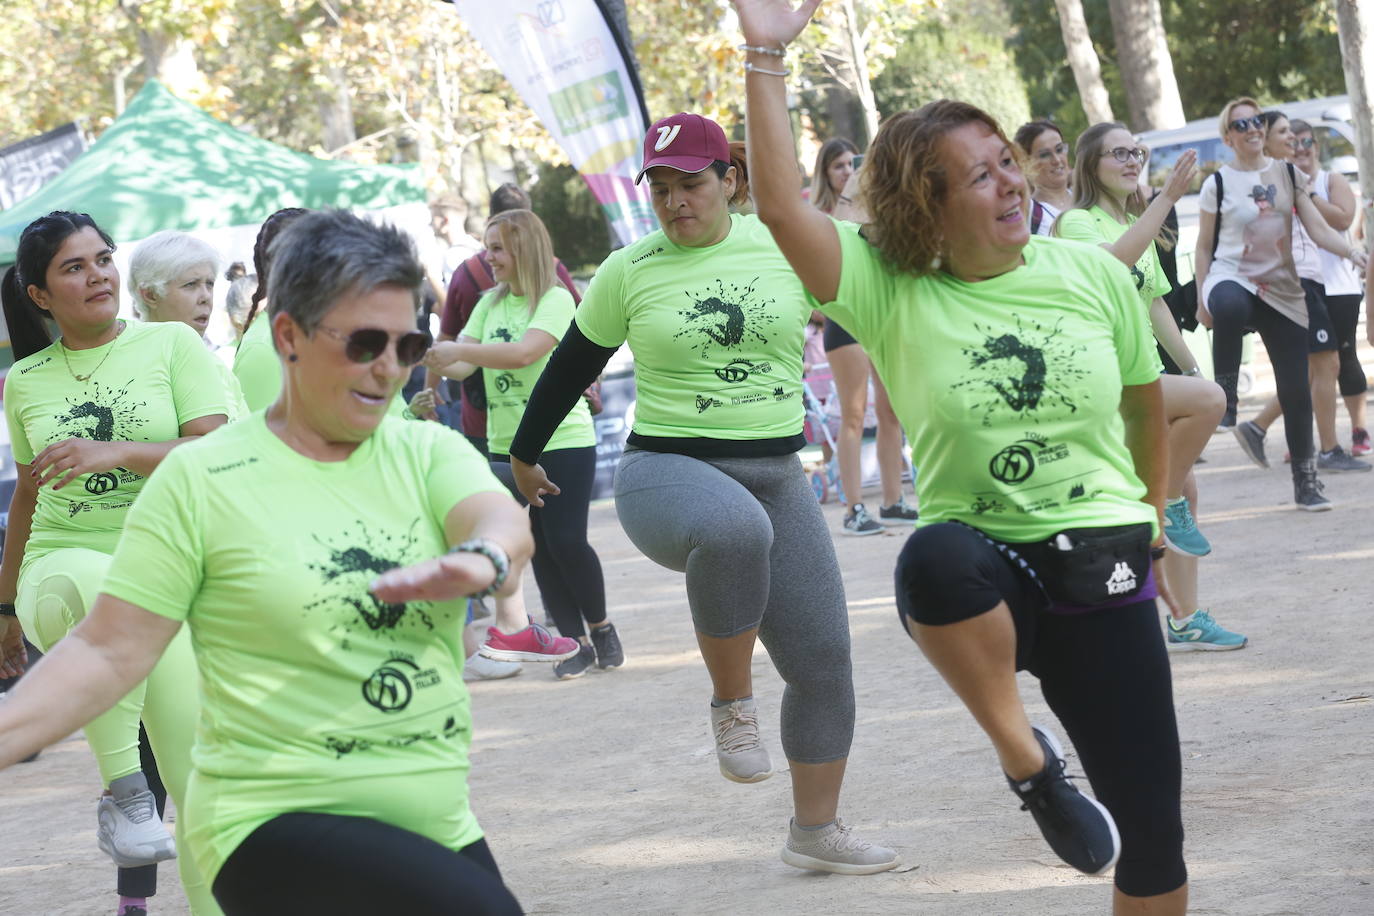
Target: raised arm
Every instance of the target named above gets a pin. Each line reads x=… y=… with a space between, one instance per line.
x=1134 y=241
x=805 y=235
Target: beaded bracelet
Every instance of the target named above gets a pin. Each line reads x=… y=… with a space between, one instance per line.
x=750 y=68
x=493 y=552
x=772 y=52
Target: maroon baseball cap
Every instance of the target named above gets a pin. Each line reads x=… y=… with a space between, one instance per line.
x=686 y=142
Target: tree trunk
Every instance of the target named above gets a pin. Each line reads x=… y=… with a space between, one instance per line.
x=858 y=58
x=336 y=110
x=1147 y=69
x=1087 y=72
x=1356 y=23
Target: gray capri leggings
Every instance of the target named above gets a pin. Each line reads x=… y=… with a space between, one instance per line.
x=757 y=553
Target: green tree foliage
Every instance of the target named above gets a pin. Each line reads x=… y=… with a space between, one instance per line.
x=574 y=218
x=1276 y=50
x=953 y=56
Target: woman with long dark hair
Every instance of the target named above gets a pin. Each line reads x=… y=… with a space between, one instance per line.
x=90 y=416
x=1052 y=190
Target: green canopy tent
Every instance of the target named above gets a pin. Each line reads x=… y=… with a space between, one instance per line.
x=166 y=164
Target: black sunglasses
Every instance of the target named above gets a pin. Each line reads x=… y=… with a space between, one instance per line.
x=366 y=344
x=1241 y=125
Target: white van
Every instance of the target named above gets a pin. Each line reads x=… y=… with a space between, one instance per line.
x=1331 y=128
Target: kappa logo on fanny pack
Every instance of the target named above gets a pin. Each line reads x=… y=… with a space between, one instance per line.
x=1122 y=579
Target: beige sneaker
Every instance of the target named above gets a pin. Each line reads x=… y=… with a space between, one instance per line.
x=736 y=726
x=837 y=850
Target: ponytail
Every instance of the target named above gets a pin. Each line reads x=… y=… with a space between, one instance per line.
x=23 y=317
x=741 y=166
x=262 y=256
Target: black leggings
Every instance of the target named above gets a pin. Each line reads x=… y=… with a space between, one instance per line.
x=1345 y=318
x=326 y=863
x=1104 y=673
x=566 y=568
x=1234 y=311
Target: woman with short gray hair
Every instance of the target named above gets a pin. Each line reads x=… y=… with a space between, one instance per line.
x=329 y=770
x=172 y=276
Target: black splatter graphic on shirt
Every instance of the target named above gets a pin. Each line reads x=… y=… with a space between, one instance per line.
x=348 y=571
x=503 y=334
x=1022 y=371
x=107 y=415
x=726 y=318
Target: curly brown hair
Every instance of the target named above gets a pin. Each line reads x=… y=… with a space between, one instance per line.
x=904 y=183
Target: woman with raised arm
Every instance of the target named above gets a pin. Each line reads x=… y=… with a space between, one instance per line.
x=90 y=416
x=1026 y=376
x=1110 y=211
x=1246 y=279
x=710 y=483
x=329 y=773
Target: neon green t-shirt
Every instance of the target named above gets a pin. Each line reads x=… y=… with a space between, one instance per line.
x=1096 y=226
x=153 y=378
x=233 y=392
x=717 y=333
x=1009 y=388
x=256 y=364
x=315 y=695
x=508 y=390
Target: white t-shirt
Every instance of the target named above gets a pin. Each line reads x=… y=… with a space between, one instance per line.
x=1334 y=272
x=1254 y=248
x=1049 y=213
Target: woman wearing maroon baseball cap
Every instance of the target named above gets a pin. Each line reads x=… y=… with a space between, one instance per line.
x=710 y=483
x=1024 y=370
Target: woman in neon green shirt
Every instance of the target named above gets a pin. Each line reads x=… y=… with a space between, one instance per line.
x=172 y=276
x=1025 y=374
x=511 y=333
x=1110 y=210
x=329 y=770
x=90 y=416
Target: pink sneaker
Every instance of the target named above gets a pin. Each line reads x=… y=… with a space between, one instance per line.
x=1359 y=442
x=532 y=644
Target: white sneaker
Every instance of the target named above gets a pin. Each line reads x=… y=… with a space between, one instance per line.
x=836 y=849
x=736 y=727
x=130 y=832
x=480 y=668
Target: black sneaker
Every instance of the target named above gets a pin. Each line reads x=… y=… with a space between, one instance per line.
x=1338 y=459
x=1228 y=421
x=899 y=513
x=1307 y=489
x=576 y=665
x=606 y=641
x=1251 y=439
x=1078 y=828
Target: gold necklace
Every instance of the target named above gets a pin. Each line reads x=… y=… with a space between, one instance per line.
x=87 y=376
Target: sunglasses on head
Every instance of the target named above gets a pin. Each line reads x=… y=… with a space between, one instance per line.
x=1241 y=125
x=1125 y=153
x=1304 y=143
x=1058 y=149
x=366 y=344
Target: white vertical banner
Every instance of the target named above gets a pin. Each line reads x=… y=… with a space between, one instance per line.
x=565 y=60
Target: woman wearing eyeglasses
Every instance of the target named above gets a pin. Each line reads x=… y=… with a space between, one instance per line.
x=1333 y=302
x=1247 y=279
x=329 y=770
x=1110 y=210
x=511 y=333
x=1044 y=145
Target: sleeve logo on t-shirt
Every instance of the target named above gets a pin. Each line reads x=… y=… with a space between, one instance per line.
x=725 y=318
x=1020 y=371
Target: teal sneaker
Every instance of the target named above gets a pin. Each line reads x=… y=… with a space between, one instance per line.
x=1180 y=529
x=1202 y=634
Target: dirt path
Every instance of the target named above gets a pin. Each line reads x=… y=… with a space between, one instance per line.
x=602 y=795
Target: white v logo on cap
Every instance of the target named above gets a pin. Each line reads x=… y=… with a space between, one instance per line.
x=666 y=135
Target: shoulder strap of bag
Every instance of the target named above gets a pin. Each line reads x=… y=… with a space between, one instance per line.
x=1216 y=228
x=479 y=272
x=1037 y=215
